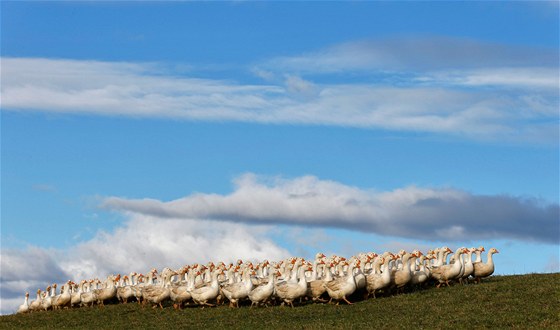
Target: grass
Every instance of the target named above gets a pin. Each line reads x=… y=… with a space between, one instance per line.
x=519 y=301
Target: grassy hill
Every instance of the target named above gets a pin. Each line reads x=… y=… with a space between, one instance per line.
x=523 y=301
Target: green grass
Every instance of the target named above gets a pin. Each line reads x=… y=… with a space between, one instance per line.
x=520 y=301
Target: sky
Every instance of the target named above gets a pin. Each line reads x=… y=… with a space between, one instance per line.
x=157 y=134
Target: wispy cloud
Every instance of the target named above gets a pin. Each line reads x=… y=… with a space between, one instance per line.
x=411 y=212
x=412 y=54
x=437 y=85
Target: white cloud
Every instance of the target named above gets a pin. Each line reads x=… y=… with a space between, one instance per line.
x=296 y=84
x=451 y=103
x=410 y=212
x=536 y=78
x=412 y=54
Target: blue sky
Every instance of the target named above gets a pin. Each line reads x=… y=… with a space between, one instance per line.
x=156 y=134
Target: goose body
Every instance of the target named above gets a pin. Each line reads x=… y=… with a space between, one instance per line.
x=88 y=297
x=481 y=269
x=110 y=290
x=289 y=291
x=156 y=295
x=46 y=303
x=379 y=280
x=36 y=304
x=468 y=266
x=126 y=291
x=263 y=292
x=236 y=291
x=24 y=308
x=422 y=274
x=342 y=287
x=64 y=299
x=208 y=292
x=445 y=273
x=401 y=277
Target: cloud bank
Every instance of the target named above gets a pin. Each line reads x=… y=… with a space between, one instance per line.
x=436 y=85
x=421 y=213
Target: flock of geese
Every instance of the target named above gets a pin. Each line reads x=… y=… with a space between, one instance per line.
x=324 y=279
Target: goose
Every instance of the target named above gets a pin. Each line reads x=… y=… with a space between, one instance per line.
x=208 y=292
x=359 y=275
x=316 y=288
x=441 y=256
x=110 y=290
x=24 y=308
x=126 y=291
x=343 y=286
x=75 y=297
x=64 y=299
x=89 y=296
x=236 y=291
x=180 y=294
x=481 y=269
x=423 y=273
x=478 y=254
x=46 y=303
x=36 y=304
x=379 y=280
x=468 y=267
x=157 y=294
x=445 y=273
x=262 y=293
x=401 y=277
x=137 y=284
x=289 y=291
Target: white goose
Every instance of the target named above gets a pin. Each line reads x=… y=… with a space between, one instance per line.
x=445 y=273
x=110 y=290
x=75 y=297
x=236 y=291
x=316 y=287
x=46 y=303
x=262 y=293
x=181 y=293
x=36 y=304
x=379 y=279
x=422 y=274
x=89 y=296
x=478 y=254
x=64 y=299
x=156 y=294
x=24 y=308
x=125 y=291
x=468 y=266
x=209 y=292
x=401 y=277
x=342 y=287
x=481 y=269
x=288 y=291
